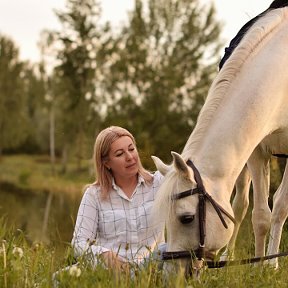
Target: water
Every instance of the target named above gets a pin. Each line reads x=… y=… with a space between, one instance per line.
x=25 y=210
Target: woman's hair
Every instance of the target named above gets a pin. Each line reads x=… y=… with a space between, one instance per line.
x=101 y=150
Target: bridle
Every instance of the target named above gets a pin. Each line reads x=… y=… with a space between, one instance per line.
x=203 y=196
x=199 y=254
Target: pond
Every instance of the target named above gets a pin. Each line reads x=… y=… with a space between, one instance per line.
x=31 y=212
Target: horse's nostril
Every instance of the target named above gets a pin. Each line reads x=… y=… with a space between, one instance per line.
x=186 y=219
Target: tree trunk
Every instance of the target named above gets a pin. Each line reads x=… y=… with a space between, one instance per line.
x=52 y=140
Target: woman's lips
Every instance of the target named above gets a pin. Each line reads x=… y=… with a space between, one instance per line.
x=131 y=165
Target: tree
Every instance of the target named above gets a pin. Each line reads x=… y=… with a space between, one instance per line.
x=13 y=121
x=166 y=60
x=34 y=91
x=76 y=72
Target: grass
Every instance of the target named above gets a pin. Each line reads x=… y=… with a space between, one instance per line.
x=35 y=173
x=31 y=264
x=26 y=265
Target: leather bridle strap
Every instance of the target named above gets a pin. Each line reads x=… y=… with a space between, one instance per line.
x=203 y=196
x=219 y=264
x=201 y=190
x=199 y=253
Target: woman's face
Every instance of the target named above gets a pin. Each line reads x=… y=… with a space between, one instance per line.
x=123 y=158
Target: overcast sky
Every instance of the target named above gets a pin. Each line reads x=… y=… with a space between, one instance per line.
x=23 y=20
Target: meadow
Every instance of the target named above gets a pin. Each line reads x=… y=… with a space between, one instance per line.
x=28 y=260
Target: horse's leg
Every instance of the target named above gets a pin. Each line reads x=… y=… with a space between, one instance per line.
x=240 y=205
x=259 y=168
x=279 y=215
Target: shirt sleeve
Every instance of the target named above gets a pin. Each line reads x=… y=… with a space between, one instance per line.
x=85 y=232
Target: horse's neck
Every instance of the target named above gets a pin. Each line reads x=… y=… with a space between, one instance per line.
x=250 y=109
x=221 y=152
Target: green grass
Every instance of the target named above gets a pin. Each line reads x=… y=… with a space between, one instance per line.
x=39 y=260
x=35 y=173
x=35 y=267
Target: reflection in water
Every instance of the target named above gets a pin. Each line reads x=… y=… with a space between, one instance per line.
x=25 y=210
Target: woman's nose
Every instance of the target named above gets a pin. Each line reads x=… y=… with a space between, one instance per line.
x=128 y=155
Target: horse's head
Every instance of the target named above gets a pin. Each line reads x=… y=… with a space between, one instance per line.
x=195 y=222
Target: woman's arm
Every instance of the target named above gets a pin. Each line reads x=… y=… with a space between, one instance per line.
x=85 y=234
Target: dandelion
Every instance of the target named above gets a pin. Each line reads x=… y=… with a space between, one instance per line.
x=36 y=246
x=18 y=252
x=74 y=271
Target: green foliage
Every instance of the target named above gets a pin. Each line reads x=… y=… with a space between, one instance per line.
x=34 y=107
x=21 y=101
x=150 y=76
x=13 y=128
x=75 y=76
x=24 y=177
x=164 y=65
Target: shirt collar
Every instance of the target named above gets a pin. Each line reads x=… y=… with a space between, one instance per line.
x=140 y=181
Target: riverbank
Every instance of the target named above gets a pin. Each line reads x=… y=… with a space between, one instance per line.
x=33 y=174
x=42 y=203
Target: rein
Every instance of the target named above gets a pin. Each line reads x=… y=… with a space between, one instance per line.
x=221 y=264
x=200 y=253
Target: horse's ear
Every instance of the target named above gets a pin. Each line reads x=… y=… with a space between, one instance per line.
x=181 y=166
x=161 y=167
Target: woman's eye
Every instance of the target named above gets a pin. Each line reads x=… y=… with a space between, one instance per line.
x=119 y=154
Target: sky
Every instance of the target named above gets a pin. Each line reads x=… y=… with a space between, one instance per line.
x=23 y=20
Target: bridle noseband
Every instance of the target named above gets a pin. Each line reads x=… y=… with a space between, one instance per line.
x=203 y=196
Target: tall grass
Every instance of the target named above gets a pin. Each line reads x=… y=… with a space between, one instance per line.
x=26 y=263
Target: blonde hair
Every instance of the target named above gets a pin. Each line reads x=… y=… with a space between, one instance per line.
x=101 y=150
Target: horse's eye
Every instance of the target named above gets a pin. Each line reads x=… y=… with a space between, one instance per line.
x=186 y=219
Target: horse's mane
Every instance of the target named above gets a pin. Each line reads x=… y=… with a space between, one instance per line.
x=218 y=90
x=217 y=93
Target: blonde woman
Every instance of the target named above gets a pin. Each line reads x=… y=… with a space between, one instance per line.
x=113 y=222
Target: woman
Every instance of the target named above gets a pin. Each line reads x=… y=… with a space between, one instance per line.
x=113 y=222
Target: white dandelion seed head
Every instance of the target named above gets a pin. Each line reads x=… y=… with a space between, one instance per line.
x=74 y=271
x=18 y=252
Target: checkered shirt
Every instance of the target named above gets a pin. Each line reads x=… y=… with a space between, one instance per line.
x=119 y=224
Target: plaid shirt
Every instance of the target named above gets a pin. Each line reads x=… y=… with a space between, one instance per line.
x=118 y=224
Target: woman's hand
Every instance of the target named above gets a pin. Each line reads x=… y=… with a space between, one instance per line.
x=112 y=261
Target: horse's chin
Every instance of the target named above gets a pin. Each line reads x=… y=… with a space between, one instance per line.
x=187 y=267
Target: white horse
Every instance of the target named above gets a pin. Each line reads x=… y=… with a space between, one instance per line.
x=244 y=120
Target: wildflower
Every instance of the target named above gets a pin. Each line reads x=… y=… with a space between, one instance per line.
x=74 y=271
x=36 y=246
x=18 y=252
